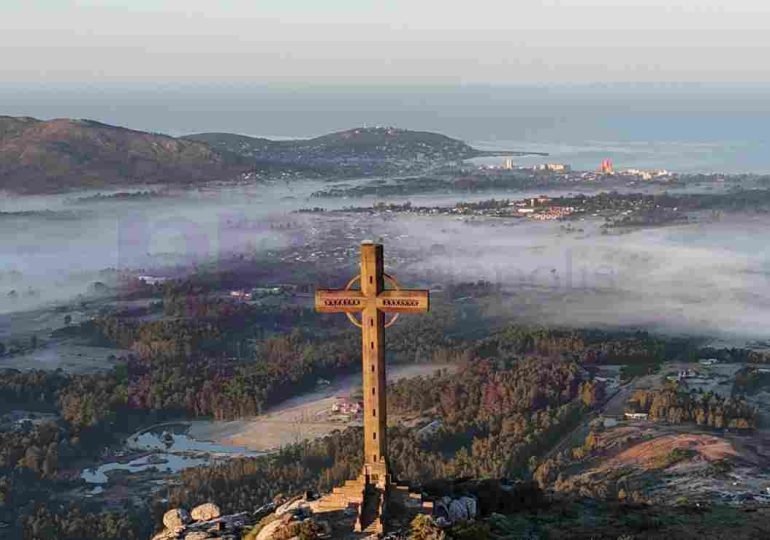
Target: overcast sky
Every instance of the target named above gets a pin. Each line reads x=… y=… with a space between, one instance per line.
x=363 y=41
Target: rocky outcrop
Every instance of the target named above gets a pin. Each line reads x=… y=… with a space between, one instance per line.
x=456 y=510
x=333 y=515
x=205 y=512
x=270 y=530
x=176 y=518
x=287 y=527
x=165 y=534
x=439 y=503
x=197 y=535
x=279 y=520
x=203 y=523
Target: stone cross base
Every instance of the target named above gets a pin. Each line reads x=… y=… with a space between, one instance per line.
x=369 y=496
x=376 y=474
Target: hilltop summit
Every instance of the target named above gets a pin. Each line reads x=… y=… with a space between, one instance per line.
x=43 y=156
x=368 y=143
x=39 y=156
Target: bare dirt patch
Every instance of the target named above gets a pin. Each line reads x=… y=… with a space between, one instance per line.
x=649 y=454
x=66 y=355
x=670 y=464
x=303 y=417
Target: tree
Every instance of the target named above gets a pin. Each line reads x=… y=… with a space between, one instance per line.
x=591 y=393
x=591 y=442
x=31 y=459
x=423 y=528
x=50 y=461
x=545 y=473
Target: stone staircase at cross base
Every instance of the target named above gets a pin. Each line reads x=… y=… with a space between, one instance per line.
x=370 y=502
x=370 y=516
x=350 y=495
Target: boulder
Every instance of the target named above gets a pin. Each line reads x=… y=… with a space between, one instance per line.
x=197 y=535
x=176 y=518
x=205 y=512
x=165 y=534
x=234 y=521
x=457 y=511
x=471 y=506
x=441 y=508
x=326 y=529
x=292 y=507
x=270 y=529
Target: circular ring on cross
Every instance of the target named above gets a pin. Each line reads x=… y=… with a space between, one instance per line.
x=389 y=279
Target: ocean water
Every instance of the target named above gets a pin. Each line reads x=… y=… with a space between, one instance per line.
x=685 y=127
x=677 y=156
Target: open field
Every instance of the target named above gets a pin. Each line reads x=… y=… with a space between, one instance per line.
x=303 y=417
x=56 y=350
x=66 y=355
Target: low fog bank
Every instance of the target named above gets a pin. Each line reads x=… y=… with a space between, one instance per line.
x=703 y=279
x=710 y=278
x=53 y=248
x=56 y=247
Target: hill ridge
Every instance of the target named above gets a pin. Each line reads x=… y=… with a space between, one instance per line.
x=60 y=154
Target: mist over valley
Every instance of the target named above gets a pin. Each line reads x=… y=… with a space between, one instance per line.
x=155 y=333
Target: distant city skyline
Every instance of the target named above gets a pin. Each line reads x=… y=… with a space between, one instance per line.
x=397 y=42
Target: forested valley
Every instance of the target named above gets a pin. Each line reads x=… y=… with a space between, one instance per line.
x=193 y=354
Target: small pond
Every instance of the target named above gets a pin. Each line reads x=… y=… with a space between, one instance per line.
x=165 y=449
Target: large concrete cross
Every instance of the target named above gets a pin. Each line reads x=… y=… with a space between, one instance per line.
x=372 y=301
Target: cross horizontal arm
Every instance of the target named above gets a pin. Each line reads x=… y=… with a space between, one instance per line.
x=404 y=301
x=339 y=301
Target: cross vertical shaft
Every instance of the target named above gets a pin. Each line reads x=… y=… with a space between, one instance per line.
x=371 y=301
x=373 y=346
